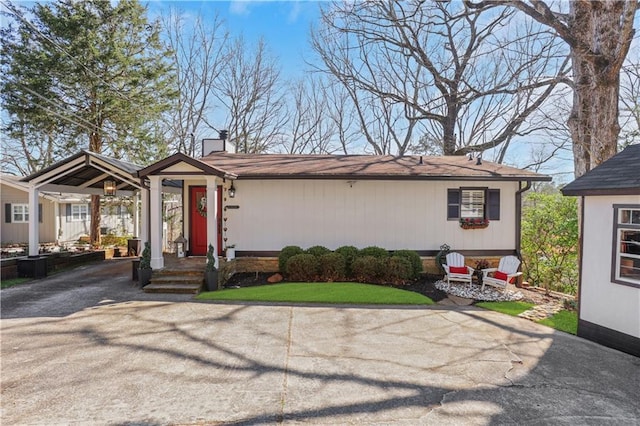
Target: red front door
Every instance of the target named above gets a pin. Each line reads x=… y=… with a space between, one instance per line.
x=198 y=220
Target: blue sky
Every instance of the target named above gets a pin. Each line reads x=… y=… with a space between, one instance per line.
x=284 y=25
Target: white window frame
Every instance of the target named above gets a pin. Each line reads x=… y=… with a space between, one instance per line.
x=79 y=212
x=474 y=207
x=626 y=265
x=19 y=213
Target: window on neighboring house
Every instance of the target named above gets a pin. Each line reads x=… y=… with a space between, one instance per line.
x=19 y=213
x=473 y=203
x=626 y=263
x=79 y=212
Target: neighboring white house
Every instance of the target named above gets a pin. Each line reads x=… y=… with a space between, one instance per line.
x=609 y=292
x=63 y=217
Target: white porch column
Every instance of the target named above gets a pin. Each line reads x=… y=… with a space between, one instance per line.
x=34 y=236
x=157 y=261
x=56 y=210
x=136 y=214
x=144 y=218
x=212 y=214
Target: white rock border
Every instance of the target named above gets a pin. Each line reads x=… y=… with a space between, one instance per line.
x=488 y=295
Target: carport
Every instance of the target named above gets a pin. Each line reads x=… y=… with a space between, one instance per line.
x=91 y=174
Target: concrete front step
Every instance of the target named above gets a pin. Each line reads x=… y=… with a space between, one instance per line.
x=172 y=288
x=175 y=281
x=178 y=272
x=167 y=279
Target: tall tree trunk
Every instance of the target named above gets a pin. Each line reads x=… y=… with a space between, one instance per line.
x=594 y=118
x=449 y=146
x=95 y=145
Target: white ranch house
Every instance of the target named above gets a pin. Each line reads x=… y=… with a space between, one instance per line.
x=609 y=291
x=409 y=202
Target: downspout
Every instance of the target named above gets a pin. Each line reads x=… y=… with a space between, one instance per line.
x=519 y=216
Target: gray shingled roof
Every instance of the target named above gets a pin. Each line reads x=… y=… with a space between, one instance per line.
x=619 y=175
x=287 y=166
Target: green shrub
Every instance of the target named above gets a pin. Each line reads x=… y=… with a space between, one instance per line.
x=367 y=269
x=114 y=240
x=302 y=267
x=332 y=267
x=374 y=251
x=414 y=260
x=285 y=254
x=397 y=270
x=349 y=253
x=317 y=251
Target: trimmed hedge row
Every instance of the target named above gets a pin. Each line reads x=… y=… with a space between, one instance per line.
x=370 y=264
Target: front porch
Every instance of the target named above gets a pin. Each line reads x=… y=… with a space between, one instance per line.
x=180 y=275
x=186 y=274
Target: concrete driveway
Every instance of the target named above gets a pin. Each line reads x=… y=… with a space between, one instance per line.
x=85 y=347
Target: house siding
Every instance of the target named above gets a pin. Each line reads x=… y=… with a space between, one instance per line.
x=73 y=230
x=390 y=214
x=18 y=233
x=111 y=223
x=603 y=302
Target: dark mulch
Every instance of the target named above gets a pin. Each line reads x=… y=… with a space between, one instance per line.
x=424 y=285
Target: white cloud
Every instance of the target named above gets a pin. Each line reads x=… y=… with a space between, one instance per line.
x=239 y=7
x=294 y=12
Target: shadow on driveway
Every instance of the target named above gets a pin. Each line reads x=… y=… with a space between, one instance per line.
x=123 y=360
x=71 y=291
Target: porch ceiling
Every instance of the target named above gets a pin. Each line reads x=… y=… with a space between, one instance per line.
x=85 y=173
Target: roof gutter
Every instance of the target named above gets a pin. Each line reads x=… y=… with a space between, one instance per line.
x=519 y=193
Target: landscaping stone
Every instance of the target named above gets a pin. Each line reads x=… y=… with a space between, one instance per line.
x=540 y=312
x=474 y=292
x=275 y=278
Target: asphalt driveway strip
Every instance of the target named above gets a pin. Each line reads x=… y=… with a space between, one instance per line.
x=88 y=347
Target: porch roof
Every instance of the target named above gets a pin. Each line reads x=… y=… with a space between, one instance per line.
x=85 y=173
x=285 y=166
x=163 y=167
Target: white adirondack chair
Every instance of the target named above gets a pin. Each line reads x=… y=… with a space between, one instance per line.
x=508 y=266
x=456 y=260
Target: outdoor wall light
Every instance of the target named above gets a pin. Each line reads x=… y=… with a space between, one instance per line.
x=109 y=188
x=232 y=191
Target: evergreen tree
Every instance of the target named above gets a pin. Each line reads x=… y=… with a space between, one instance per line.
x=85 y=75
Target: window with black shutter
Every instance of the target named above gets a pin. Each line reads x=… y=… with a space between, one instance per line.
x=473 y=203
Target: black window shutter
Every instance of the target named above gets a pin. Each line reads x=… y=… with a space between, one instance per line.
x=68 y=212
x=493 y=204
x=7 y=212
x=453 y=203
x=40 y=212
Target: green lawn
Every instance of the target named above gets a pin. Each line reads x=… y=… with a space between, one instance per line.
x=509 y=308
x=12 y=282
x=566 y=321
x=332 y=293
